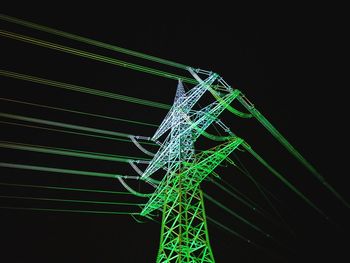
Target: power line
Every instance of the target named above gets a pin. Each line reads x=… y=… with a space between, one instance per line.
x=90 y=41
x=231 y=231
x=70 y=132
x=65 y=188
x=82 y=89
x=69 y=200
x=93 y=56
x=78 y=112
x=248 y=203
x=285 y=181
x=235 y=214
x=67 y=152
x=67 y=126
x=67 y=210
x=62 y=171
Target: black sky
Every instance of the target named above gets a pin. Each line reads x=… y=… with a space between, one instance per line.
x=289 y=64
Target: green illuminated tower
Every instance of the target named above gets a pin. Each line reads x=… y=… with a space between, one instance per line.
x=184 y=232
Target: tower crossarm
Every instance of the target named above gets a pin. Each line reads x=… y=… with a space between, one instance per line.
x=189 y=100
x=199 y=121
x=192 y=176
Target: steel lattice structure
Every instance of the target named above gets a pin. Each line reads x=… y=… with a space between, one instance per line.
x=184 y=233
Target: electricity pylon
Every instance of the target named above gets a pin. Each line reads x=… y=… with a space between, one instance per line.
x=184 y=233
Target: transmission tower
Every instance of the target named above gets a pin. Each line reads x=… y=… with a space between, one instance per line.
x=184 y=233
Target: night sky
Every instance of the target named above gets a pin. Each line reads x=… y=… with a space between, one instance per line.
x=288 y=64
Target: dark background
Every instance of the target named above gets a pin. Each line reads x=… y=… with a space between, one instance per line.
x=289 y=64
